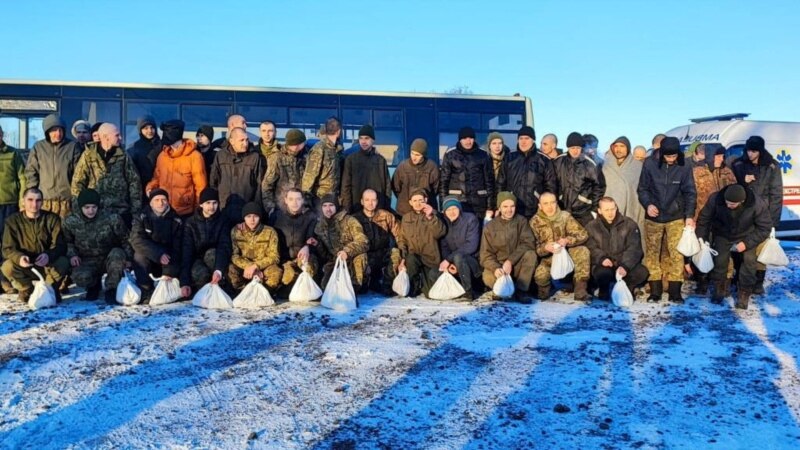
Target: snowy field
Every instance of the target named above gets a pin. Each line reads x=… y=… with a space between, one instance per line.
x=405 y=374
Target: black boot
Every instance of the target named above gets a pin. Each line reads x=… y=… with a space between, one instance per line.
x=719 y=292
x=743 y=298
x=656 y=289
x=92 y=293
x=702 y=284
x=675 y=292
x=110 y=296
x=758 y=289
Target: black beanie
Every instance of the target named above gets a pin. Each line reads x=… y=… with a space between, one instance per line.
x=156 y=192
x=735 y=193
x=209 y=194
x=207 y=131
x=527 y=131
x=755 y=143
x=96 y=127
x=670 y=146
x=466 y=132
x=367 y=130
x=172 y=131
x=720 y=150
x=251 y=208
x=329 y=198
x=88 y=197
x=575 y=139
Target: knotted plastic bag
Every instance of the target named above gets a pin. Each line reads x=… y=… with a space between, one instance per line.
x=704 y=259
x=305 y=289
x=621 y=295
x=253 y=296
x=504 y=286
x=688 y=245
x=339 y=294
x=772 y=254
x=401 y=284
x=128 y=293
x=211 y=296
x=446 y=288
x=43 y=295
x=562 y=264
x=168 y=290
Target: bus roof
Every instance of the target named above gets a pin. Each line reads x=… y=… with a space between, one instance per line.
x=735 y=132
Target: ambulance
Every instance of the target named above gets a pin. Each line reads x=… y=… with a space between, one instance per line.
x=782 y=141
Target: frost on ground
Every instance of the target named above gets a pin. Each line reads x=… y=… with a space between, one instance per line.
x=405 y=373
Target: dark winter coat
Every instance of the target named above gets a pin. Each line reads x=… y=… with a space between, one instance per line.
x=31 y=237
x=380 y=229
x=293 y=231
x=365 y=169
x=12 y=175
x=201 y=234
x=420 y=235
x=284 y=171
x=505 y=240
x=469 y=175
x=237 y=178
x=749 y=223
x=50 y=168
x=153 y=235
x=580 y=184
x=408 y=177
x=463 y=237
x=620 y=242
x=528 y=175
x=670 y=188
x=144 y=154
x=768 y=184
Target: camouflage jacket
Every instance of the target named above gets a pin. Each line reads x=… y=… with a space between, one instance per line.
x=560 y=225
x=284 y=171
x=268 y=150
x=323 y=172
x=708 y=180
x=115 y=179
x=259 y=247
x=381 y=229
x=340 y=232
x=94 y=238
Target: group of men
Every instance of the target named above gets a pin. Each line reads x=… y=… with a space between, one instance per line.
x=228 y=211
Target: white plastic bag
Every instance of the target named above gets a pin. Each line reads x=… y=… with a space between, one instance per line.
x=401 y=284
x=503 y=287
x=704 y=259
x=339 y=294
x=128 y=293
x=43 y=295
x=621 y=295
x=305 y=289
x=772 y=254
x=167 y=291
x=446 y=288
x=562 y=264
x=212 y=296
x=688 y=245
x=253 y=296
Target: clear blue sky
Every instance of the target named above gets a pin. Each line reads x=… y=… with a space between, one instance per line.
x=606 y=67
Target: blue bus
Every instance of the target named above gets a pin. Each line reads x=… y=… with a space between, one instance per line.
x=398 y=118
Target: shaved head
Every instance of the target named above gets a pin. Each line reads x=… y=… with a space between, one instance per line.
x=107 y=128
x=236 y=121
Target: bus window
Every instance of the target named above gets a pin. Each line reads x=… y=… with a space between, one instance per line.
x=160 y=111
x=388 y=119
x=35 y=132
x=100 y=112
x=12 y=135
x=256 y=114
x=356 y=117
x=389 y=143
x=455 y=121
x=196 y=115
x=313 y=117
x=498 y=122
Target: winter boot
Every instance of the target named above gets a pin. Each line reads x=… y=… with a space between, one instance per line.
x=24 y=294
x=719 y=292
x=543 y=292
x=675 y=292
x=656 y=289
x=110 y=296
x=758 y=289
x=726 y=291
x=92 y=293
x=743 y=298
x=581 y=293
x=55 y=287
x=701 y=288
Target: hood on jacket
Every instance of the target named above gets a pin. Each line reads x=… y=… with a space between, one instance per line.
x=624 y=141
x=52 y=121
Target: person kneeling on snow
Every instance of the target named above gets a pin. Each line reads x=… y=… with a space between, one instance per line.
x=555 y=231
x=460 y=244
x=418 y=241
x=341 y=236
x=615 y=247
x=295 y=228
x=206 y=247
x=97 y=243
x=33 y=238
x=738 y=221
x=255 y=251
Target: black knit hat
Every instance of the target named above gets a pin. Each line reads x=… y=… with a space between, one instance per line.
x=207 y=131
x=670 y=146
x=209 y=194
x=156 y=192
x=172 y=131
x=367 y=130
x=295 y=136
x=575 y=139
x=329 y=198
x=755 y=143
x=466 y=132
x=97 y=126
x=88 y=197
x=527 y=131
x=735 y=193
x=252 y=208
x=720 y=150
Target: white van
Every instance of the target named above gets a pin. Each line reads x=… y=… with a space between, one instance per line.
x=782 y=141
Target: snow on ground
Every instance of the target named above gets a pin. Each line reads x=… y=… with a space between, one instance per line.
x=404 y=374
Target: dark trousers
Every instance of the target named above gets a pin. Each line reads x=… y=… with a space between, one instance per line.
x=5 y=212
x=604 y=276
x=747 y=269
x=143 y=267
x=421 y=276
x=468 y=269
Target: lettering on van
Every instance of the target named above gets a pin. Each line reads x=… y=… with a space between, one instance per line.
x=700 y=137
x=784 y=161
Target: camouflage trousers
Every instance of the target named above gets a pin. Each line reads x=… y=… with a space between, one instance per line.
x=91 y=270
x=580 y=258
x=382 y=267
x=55 y=206
x=271 y=277
x=357 y=266
x=22 y=278
x=292 y=270
x=521 y=273
x=202 y=269
x=670 y=263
